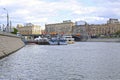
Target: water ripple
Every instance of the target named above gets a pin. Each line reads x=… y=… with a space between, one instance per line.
x=79 y=61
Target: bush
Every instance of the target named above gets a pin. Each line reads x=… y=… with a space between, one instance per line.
x=15 y=31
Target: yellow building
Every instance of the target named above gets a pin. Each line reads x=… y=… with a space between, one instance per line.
x=80 y=28
x=112 y=26
x=66 y=27
x=97 y=29
x=29 y=29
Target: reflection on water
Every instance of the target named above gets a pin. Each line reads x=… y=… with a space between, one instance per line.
x=79 y=61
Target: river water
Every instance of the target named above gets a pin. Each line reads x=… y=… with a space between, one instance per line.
x=79 y=61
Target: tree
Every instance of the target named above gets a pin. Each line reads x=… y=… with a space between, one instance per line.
x=118 y=32
x=15 y=31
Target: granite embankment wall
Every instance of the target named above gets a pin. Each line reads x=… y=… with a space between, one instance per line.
x=9 y=43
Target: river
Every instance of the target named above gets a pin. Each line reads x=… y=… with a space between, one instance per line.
x=79 y=61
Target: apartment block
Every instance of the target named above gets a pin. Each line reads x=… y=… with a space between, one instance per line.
x=29 y=29
x=66 y=27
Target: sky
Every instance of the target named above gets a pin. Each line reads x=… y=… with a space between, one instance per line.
x=41 y=12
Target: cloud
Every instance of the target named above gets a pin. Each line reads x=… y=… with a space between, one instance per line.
x=92 y=19
x=6 y=2
x=47 y=11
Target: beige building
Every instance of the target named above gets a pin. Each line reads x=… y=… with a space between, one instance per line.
x=29 y=29
x=80 y=28
x=97 y=29
x=112 y=26
x=113 y=21
x=66 y=27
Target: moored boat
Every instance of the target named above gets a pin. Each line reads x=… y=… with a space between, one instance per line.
x=53 y=41
x=42 y=41
x=57 y=41
x=69 y=39
x=62 y=41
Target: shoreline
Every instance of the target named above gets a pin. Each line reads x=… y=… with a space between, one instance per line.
x=104 y=40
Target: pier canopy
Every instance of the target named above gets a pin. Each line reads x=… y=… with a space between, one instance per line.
x=77 y=34
x=53 y=33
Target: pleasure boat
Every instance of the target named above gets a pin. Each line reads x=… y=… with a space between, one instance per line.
x=69 y=39
x=42 y=41
x=62 y=41
x=57 y=41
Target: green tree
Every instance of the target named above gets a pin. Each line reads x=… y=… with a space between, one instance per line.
x=15 y=31
x=118 y=32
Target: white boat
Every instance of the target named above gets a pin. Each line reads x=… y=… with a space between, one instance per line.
x=62 y=41
x=42 y=41
x=53 y=41
x=57 y=41
x=69 y=39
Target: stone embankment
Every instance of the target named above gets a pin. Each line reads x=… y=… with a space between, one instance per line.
x=104 y=40
x=9 y=43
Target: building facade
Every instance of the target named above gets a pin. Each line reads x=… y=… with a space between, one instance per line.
x=111 y=27
x=66 y=27
x=113 y=21
x=82 y=28
x=94 y=30
x=29 y=29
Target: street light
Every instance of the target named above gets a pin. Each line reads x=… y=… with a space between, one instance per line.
x=7 y=27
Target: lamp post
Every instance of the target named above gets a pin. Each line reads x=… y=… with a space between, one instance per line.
x=7 y=27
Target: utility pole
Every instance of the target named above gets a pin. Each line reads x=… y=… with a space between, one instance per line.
x=10 y=30
x=7 y=27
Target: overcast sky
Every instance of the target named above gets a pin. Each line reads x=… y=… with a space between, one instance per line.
x=42 y=12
